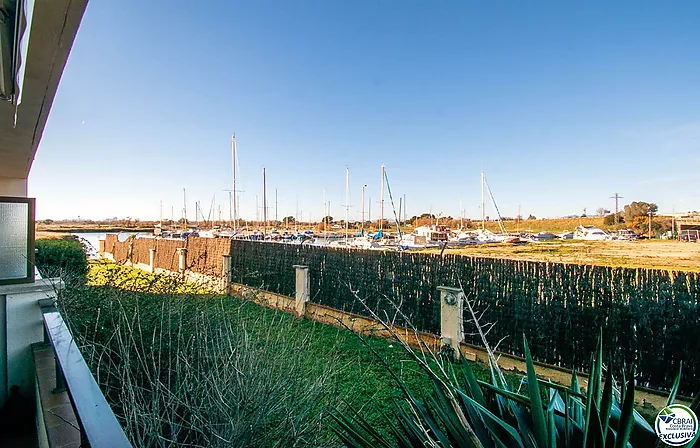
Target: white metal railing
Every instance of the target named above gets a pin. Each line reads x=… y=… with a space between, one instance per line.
x=99 y=426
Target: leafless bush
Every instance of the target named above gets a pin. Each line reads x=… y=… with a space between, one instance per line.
x=195 y=370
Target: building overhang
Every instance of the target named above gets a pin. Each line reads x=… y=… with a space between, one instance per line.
x=54 y=26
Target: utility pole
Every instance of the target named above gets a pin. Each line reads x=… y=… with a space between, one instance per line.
x=461 y=214
x=651 y=215
x=381 y=218
x=275 y=207
x=617 y=197
x=296 y=216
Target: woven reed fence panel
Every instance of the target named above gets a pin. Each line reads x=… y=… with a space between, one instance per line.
x=649 y=317
x=166 y=256
x=204 y=255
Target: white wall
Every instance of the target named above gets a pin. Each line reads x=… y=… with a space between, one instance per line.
x=13 y=186
x=21 y=326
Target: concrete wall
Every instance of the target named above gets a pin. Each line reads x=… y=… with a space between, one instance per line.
x=21 y=325
x=12 y=186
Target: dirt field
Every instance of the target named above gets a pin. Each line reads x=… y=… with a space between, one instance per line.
x=674 y=255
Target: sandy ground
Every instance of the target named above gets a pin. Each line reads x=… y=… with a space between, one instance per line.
x=674 y=255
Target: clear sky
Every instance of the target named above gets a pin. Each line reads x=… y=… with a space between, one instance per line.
x=561 y=103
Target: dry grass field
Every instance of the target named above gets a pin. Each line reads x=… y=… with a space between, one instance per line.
x=659 y=254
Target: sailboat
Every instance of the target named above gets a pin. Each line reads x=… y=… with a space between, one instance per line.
x=485 y=236
x=232 y=230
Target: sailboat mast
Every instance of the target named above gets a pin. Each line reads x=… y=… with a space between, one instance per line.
x=347 y=204
x=184 y=206
x=461 y=214
x=381 y=218
x=233 y=162
x=400 y=209
x=363 y=209
x=230 y=208
x=483 y=211
x=404 y=208
x=264 y=204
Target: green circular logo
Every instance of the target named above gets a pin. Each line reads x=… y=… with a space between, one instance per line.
x=676 y=425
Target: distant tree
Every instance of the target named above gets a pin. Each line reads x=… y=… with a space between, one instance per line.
x=48 y=221
x=327 y=219
x=640 y=208
x=602 y=211
x=289 y=219
x=532 y=217
x=609 y=220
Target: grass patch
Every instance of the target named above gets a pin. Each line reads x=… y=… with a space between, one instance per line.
x=183 y=367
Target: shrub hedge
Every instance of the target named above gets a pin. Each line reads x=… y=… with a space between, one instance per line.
x=61 y=258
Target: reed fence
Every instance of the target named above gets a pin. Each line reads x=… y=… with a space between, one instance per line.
x=648 y=317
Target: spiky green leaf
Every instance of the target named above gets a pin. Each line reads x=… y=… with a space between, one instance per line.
x=624 y=427
x=538 y=417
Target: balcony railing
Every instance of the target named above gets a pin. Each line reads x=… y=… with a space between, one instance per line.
x=98 y=425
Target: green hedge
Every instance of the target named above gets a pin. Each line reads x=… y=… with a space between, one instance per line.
x=61 y=257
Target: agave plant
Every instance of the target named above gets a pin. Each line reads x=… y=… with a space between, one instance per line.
x=466 y=412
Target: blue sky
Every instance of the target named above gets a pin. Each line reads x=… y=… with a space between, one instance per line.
x=561 y=103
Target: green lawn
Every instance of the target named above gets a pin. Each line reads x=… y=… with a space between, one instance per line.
x=180 y=364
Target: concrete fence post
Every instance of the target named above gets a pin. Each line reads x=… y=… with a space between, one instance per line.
x=302 y=289
x=226 y=273
x=182 y=255
x=152 y=259
x=451 y=320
